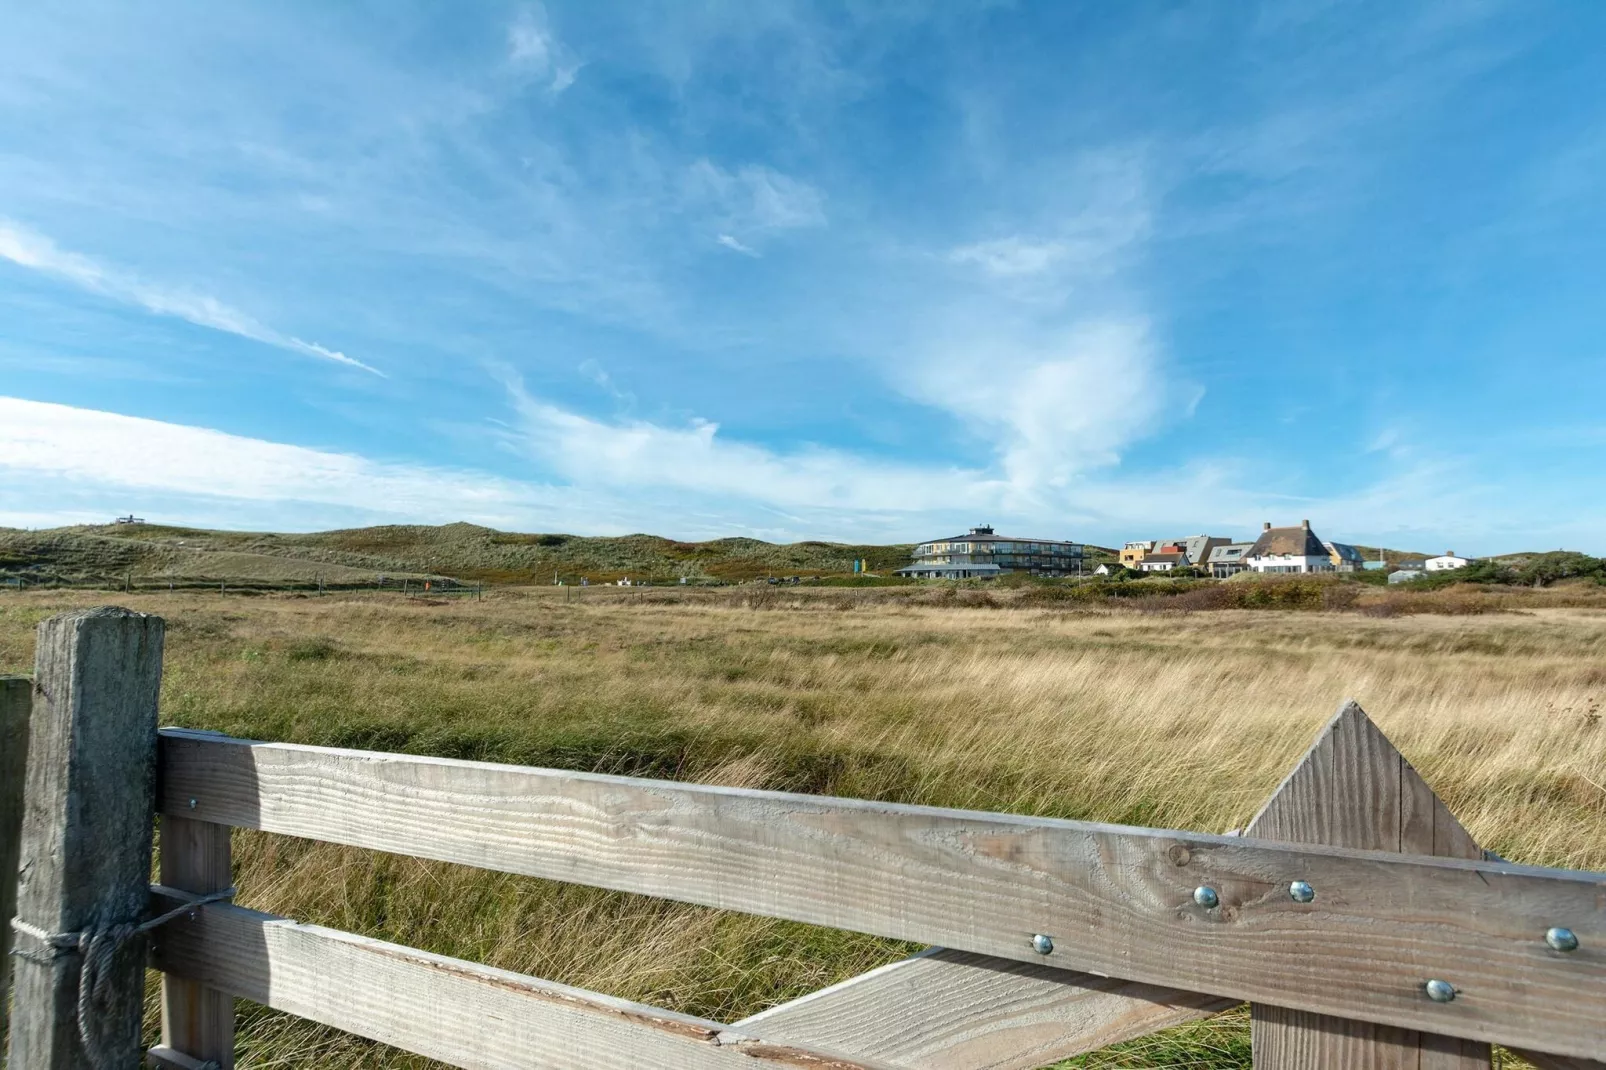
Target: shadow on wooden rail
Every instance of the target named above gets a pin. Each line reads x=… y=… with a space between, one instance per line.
x=1357 y=916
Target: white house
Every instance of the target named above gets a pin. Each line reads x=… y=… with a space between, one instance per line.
x=1162 y=562
x=1288 y=550
x=1447 y=562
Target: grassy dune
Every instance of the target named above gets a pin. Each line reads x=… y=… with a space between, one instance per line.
x=155 y=554
x=1184 y=720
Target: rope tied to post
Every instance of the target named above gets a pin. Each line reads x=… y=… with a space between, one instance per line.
x=97 y=947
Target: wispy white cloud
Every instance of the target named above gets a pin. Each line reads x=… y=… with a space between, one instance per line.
x=36 y=252
x=632 y=454
x=1056 y=404
x=730 y=242
x=1010 y=256
x=752 y=201
x=533 y=47
x=62 y=442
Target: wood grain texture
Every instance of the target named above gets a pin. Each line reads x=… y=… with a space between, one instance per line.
x=16 y=696
x=458 y=1012
x=1354 y=789
x=952 y=1010
x=1118 y=901
x=162 y=1057
x=87 y=827
x=197 y=1021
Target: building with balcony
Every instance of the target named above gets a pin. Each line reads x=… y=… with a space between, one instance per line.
x=983 y=553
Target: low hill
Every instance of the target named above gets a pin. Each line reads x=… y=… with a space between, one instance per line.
x=153 y=552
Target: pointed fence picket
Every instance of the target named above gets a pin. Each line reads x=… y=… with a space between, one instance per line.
x=1050 y=938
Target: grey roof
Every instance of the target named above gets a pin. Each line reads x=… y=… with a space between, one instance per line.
x=1230 y=552
x=1345 y=550
x=1175 y=559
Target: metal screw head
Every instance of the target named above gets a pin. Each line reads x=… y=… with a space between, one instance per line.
x=1439 y=991
x=1206 y=896
x=1300 y=892
x=192 y=804
x=1043 y=944
x=1561 y=939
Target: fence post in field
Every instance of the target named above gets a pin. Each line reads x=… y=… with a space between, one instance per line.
x=197 y=1021
x=1354 y=789
x=15 y=698
x=86 y=840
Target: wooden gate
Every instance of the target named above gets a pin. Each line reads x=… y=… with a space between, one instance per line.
x=1357 y=917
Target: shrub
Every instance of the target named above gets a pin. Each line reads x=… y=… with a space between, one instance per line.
x=1545 y=569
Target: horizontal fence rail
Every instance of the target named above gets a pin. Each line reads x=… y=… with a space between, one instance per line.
x=434 y=1005
x=1114 y=900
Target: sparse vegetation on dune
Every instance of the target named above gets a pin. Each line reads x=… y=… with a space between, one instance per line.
x=465 y=551
x=1115 y=710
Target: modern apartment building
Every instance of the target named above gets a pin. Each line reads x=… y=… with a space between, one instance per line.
x=983 y=553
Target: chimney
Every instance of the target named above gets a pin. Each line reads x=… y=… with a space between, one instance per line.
x=1449 y=553
x=1267 y=527
x=1305 y=524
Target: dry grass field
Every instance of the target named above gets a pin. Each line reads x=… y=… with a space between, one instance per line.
x=1184 y=720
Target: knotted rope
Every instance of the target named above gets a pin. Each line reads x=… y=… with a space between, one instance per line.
x=97 y=947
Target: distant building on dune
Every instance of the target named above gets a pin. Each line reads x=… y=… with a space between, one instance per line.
x=1405 y=575
x=1288 y=550
x=1446 y=561
x=1163 y=560
x=1196 y=548
x=1345 y=557
x=982 y=554
x=1133 y=552
x=1227 y=560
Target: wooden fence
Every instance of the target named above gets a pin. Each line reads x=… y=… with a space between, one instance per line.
x=1359 y=919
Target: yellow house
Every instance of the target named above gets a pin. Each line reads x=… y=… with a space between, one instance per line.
x=1134 y=552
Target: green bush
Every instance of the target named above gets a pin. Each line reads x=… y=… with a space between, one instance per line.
x=1545 y=569
x=1541 y=570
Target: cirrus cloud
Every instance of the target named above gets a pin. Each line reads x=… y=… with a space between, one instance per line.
x=33 y=251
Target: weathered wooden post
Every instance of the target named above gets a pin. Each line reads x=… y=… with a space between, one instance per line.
x=15 y=698
x=86 y=840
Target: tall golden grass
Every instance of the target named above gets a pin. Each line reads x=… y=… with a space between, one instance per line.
x=1176 y=720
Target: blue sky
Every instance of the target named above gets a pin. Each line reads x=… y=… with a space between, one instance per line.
x=867 y=271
